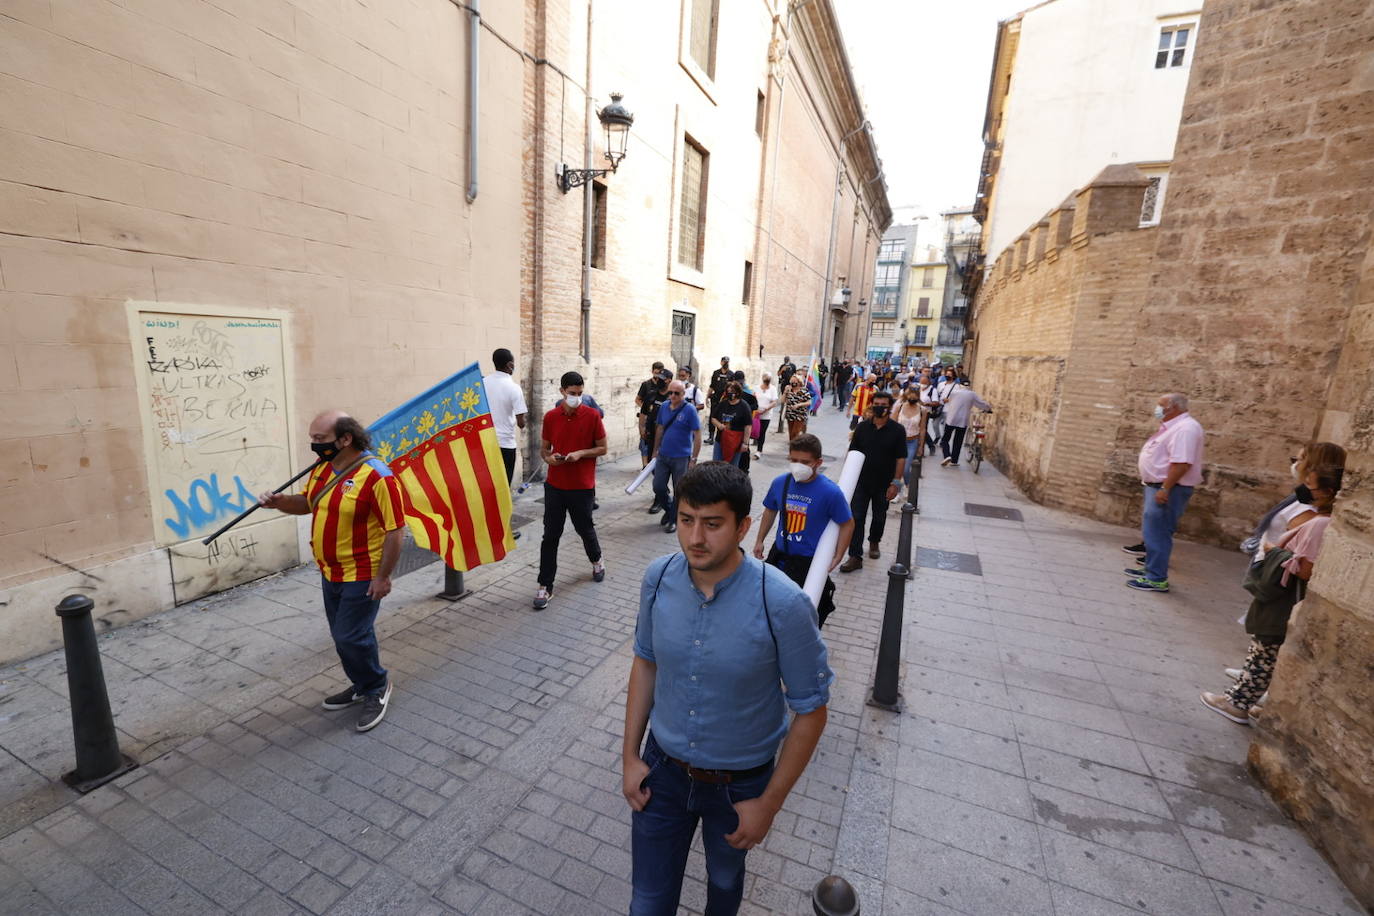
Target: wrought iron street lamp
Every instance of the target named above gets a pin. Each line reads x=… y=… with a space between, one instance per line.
x=616 y=119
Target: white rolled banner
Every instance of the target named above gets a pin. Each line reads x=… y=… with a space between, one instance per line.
x=825 y=549
x=643 y=476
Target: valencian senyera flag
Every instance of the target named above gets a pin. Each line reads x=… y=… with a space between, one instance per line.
x=442 y=448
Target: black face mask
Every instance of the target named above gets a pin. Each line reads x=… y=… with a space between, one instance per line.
x=879 y=410
x=1304 y=494
x=326 y=450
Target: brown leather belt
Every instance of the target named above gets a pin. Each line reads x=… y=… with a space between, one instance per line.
x=719 y=776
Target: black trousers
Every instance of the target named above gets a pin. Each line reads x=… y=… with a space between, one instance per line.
x=763 y=431
x=859 y=505
x=559 y=505
x=957 y=433
x=796 y=566
x=508 y=455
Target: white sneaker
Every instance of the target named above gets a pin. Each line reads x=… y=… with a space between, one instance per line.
x=947 y=462
x=1233 y=673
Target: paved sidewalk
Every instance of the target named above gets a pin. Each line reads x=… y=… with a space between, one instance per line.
x=1052 y=758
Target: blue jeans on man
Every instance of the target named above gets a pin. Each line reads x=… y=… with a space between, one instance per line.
x=352 y=617
x=1157 y=526
x=664 y=470
x=661 y=836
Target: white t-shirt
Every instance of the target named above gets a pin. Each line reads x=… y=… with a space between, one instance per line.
x=767 y=398
x=505 y=400
x=693 y=395
x=1277 y=526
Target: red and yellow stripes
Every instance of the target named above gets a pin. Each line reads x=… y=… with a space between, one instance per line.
x=458 y=501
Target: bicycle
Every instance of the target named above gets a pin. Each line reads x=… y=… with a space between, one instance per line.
x=980 y=434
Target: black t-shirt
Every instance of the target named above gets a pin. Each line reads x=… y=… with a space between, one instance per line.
x=785 y=372
x=882 y=449
x=720 y=380
x=651 y=399
x=740 y=416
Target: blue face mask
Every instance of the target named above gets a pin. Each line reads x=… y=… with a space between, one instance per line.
x=1159 y=412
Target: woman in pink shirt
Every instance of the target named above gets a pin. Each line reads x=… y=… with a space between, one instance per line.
x=1278 y=583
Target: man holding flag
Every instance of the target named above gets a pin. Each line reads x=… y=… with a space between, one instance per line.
x=356 y=538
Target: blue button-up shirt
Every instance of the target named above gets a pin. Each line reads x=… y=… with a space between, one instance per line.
x=718 y=703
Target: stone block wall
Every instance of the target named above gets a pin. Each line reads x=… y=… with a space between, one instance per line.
x=1267 y=217
x=1262 y=307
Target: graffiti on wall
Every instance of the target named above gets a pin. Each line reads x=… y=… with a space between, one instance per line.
x=215 y=389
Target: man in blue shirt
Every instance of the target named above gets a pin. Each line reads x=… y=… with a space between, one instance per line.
x=677 y=440
x=718 y=635
x=808 y=501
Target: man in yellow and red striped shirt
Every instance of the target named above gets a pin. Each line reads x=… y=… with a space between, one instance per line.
x=355 y=534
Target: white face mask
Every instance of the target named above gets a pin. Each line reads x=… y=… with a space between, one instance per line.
x=1293 y=469
x=573 y=401
x=801 y=473
x=1159 y=412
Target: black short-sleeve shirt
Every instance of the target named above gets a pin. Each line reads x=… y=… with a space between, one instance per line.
x=882 y=449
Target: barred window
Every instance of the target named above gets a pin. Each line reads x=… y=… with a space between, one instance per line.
x=701 y=43
x=1150 y=206
x=691 y=234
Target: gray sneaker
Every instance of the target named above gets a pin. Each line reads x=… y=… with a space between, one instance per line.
x=341 y=700
x=374 y=708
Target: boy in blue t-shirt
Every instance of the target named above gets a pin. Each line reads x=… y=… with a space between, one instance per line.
x=812 y=502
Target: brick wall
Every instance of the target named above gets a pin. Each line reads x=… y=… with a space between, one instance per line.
x=1056 y=324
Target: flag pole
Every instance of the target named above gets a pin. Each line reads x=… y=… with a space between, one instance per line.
x=256 y=506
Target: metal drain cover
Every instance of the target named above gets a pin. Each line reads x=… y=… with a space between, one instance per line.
x=948 y=560
x=978 y=509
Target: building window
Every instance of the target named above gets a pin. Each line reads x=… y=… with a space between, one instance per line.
x=760 y=108
x=883 y=327
x=927 y=277
x=748 y=283
x=891 y=249
x=701 y=41
x=597 y=240
x=691 y=231
x=1150 y=206
x=921 y=331
x=923 y=307
x=888 y=275
x=1173 y=46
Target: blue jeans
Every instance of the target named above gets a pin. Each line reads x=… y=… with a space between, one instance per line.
x=912 y=445
x=661 y=836
x=1157 y=526
x=351 y=615
x=665 y=469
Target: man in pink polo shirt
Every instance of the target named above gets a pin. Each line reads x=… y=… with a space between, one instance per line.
x=1170 y=466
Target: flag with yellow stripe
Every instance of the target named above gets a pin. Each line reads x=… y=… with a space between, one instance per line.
x=442 y=448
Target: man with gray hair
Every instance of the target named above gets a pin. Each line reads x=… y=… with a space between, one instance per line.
x=1170 y=467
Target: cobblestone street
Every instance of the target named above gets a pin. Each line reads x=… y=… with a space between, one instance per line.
x=1052 y=757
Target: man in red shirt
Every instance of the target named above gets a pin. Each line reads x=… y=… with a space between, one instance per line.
x=571 y=440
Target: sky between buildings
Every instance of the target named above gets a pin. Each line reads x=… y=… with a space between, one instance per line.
x=922 y=67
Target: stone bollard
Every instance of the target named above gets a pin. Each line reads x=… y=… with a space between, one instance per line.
x=98 y=759
x=885 y=695
x=834 y=896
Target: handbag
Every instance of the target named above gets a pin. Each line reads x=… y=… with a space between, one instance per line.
x=756 y=430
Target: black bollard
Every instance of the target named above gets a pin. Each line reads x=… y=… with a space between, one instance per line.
x=98 y=759
x=454 y=590
x=834 y=896
x=913 y=491
x=885 y=694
